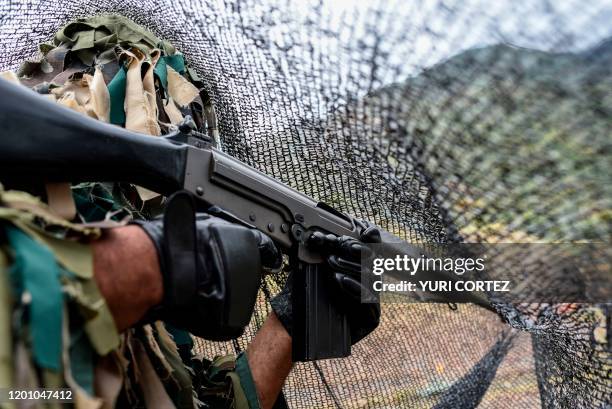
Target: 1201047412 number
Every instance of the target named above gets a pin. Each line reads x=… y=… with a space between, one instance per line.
x=40 y=394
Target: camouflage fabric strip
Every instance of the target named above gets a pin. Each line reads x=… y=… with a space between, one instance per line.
x=246 y=381
x=28 y=215
x=87 y=37
x=35 y=271
x=6 y=349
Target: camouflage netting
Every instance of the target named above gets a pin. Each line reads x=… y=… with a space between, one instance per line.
x=442 y=121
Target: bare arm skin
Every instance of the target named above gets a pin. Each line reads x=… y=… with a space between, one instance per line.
x=127 y=272
x=269 y=356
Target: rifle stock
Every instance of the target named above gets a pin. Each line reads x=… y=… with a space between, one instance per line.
x=67 y=146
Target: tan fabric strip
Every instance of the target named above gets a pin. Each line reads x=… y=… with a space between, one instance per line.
x=10 y=76
x=25 y=375
x=181 y=90
x=60 y=200
x=174 y=114
x=108 y=379
x=24 y=207
x=69 y=100
x=140 y=103
x=99 y=100
x=50 y=97
x=135 y=103
x=155 y=394
x=150 y=95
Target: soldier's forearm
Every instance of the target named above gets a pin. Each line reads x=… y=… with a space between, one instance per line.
x=127 y=272
x=269 y=357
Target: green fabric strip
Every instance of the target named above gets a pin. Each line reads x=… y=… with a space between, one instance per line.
x=82 y=359
x=220 y=366
x=161 y=71
x=179 y=385
x=176 y=61
x=246 y=380
x=116 y=89
x=180 y=337
x=166 y=47
x=84 y=40
x=35 y=268
x=104 y=31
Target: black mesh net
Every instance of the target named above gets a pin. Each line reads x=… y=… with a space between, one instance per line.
x=442 y=122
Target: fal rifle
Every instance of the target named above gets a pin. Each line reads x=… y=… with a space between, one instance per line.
x=43 y=141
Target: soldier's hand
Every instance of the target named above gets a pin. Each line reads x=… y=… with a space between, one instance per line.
x=211 y=269
x=343 y=256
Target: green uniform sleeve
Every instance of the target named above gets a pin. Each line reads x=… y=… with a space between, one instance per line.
x=247 y=384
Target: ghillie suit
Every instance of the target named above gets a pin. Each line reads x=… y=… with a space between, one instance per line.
x=111 y=69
